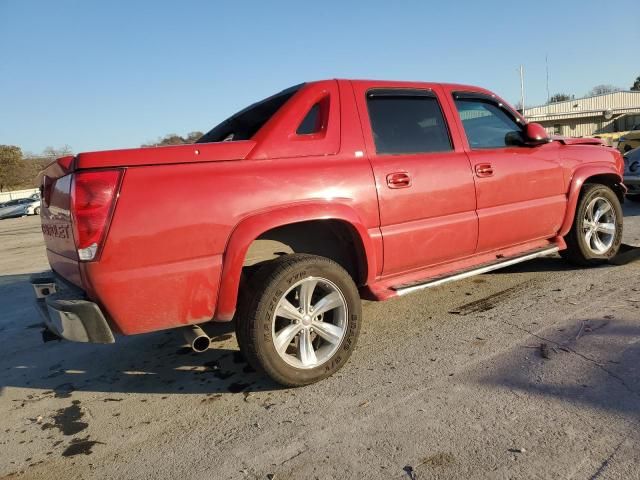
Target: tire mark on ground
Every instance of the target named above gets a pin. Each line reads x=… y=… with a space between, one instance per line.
x=488 y=303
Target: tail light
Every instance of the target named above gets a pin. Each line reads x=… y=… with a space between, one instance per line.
x=93 y=198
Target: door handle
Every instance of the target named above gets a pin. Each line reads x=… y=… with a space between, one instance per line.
x=484 y=170
x=398 y=180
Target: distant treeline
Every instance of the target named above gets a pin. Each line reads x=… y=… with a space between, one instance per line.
x=174 y=139
x=18 y=170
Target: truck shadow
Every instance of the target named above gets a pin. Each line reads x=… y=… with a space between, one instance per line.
x=152 y=363
x=626 y=254
x=604 y=360
x=631 y=209
x=542 y=264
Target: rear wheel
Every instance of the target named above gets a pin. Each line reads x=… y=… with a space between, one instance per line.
x=302 y=321
x=36 y=211
x=596 y=233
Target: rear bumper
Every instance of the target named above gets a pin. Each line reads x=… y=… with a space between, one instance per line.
x=67 y=313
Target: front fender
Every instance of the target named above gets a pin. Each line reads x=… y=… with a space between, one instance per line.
x=254 y=225
x=580 y=177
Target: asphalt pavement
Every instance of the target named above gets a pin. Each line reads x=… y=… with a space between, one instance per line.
x=527 y=372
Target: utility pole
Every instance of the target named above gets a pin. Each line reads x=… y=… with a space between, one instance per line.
x=522 y=88
x=546 y=62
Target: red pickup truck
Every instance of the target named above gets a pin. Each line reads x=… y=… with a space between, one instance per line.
x=289 y=212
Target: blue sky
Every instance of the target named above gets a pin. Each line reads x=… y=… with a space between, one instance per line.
x=110 y=74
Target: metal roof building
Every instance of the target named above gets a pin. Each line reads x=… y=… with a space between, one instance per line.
x=581 y=117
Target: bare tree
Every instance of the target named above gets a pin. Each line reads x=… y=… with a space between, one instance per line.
x=602 y=89
x=53 y=153
x=193 y=137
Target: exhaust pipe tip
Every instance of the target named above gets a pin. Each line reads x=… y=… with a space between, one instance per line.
x=201 y=344
x=197 y=339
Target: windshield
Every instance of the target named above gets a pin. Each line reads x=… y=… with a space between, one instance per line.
x=244 y=124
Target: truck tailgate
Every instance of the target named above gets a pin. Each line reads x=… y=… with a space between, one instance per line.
x=55 y=216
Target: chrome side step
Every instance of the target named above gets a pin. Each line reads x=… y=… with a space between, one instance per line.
x=434 y=282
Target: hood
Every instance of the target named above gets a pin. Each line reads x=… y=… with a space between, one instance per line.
x=577 y=141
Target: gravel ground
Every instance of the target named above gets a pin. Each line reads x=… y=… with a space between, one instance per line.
x=445 y=383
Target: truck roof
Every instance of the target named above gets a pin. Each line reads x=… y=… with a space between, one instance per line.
x=409 y=84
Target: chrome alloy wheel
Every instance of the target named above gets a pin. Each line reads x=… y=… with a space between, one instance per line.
x=309 y=322
x=599 y=225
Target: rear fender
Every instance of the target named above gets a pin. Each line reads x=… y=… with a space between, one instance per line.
x=580 y=177
x=253 y=226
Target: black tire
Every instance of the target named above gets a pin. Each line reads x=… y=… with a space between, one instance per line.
x=255 y=320
x=634 y=198
x=578 y=251
x=36 y=211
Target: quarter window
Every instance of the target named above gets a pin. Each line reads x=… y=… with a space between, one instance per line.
x=312 y=122
x=403 y=122
x=486 y=124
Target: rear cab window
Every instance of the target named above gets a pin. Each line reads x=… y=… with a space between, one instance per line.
x=246 y=123
x=407 y=121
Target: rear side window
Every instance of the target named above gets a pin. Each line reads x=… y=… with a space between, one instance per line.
x=486 y=124
x=405 y=121
x=312 y=122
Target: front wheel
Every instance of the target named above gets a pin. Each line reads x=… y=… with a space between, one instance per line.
x=596 y=233
x=302 y=321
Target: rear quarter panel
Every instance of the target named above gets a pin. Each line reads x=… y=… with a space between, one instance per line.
x=162 y=261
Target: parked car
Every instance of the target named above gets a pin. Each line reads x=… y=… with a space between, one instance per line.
x=19 y=208
x=286 y=214
x=632 y=174
x=630 y=140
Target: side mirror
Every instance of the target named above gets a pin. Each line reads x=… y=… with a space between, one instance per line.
x=536 y=134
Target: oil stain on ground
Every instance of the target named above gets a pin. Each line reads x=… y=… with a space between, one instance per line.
x=67 y=420
x=80 y=446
